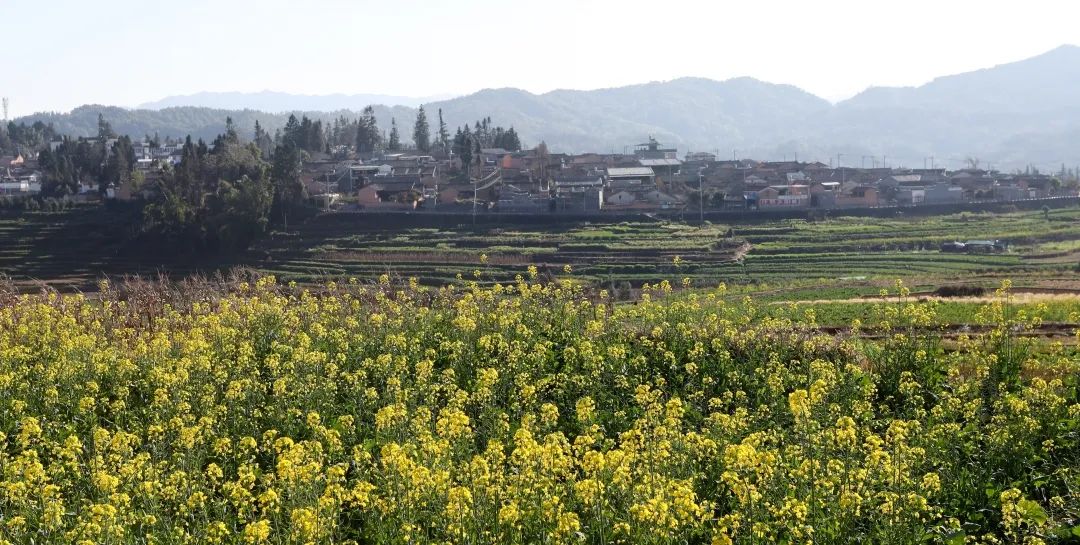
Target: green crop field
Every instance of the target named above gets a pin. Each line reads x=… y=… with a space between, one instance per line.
x=76 y=247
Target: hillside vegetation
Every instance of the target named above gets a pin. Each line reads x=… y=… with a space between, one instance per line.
x=523 y=413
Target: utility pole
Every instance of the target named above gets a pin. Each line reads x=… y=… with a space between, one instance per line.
x=701 y=198
x=6 y=103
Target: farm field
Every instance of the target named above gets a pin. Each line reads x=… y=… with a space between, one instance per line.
x=839 y=249
x=529 y=412
x=860 y=255
x=72 y=249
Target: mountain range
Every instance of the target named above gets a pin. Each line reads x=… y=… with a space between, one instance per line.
x=274 y=102
x=1009 y=116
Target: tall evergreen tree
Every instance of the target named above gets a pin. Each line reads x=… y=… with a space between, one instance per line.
x=120 y=164
x=293 y=132
x=263 y=140
x=421 y=131
x=368 y=139
x=394 y=143
x=444 y=134
x=105 y=129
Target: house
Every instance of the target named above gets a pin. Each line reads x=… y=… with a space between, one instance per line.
x=19 y=187
x=824 y=194
x=943 y=193
x=576 y=184
x=1010 y=192
x=621 y=198
x=796 y=177
x=858 y=196
x=400 y=192
x=910 y=195
x=700 y=157
x=663 y=200
x=452 y=193
x=631 y=178
x=734 y=199
x=783 y=196
x=587 y=200
x=652 y=150
x=515 y=199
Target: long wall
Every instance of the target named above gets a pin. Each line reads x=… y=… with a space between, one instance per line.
x=424 y=218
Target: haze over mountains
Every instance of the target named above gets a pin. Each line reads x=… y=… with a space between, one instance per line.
x=275 y=102
x=1008 y=116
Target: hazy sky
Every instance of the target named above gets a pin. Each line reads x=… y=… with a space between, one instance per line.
x=63 y=53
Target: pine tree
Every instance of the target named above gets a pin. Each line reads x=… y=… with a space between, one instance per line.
x=512 y=143
x=367 y=132
x=292 y=133
x=105 y=129
x=421 y=131
x=477 y=155
x=444 y=135
x=463 y=147
x=394 y=143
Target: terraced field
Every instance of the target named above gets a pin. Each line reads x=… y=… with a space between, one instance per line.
x=841 y=249
x=76 y=247
x=624 y=252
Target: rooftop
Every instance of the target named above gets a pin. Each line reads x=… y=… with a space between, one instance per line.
x=660 y=162
x=630 y=172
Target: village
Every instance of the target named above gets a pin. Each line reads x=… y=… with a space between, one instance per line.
x=649 y=178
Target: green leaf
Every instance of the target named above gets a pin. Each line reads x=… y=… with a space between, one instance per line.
x=955 y=538
x=1076 y=531
x=1032 y=511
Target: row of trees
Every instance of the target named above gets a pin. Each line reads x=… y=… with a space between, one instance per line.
x=16 y=138
x=222 y=197
x=468 y=143
x=364 y=136
x=86 y=161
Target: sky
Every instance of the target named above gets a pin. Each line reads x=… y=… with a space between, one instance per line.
x=64 y=53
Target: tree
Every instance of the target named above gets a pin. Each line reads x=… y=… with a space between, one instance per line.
x=105 y=130
x=263 y=140
x=368 y=139
x=542 y=158
x=293 y=132
x=394 y=144
x=213 y=200
x=60 y=177
x=421 y=131
x=285 y=176
x=477 y=153
x=463 y=147
x=444 y=134
x=120 y=165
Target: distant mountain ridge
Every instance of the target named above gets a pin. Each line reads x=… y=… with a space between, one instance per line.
x=1009 y=116
x=275 y=102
